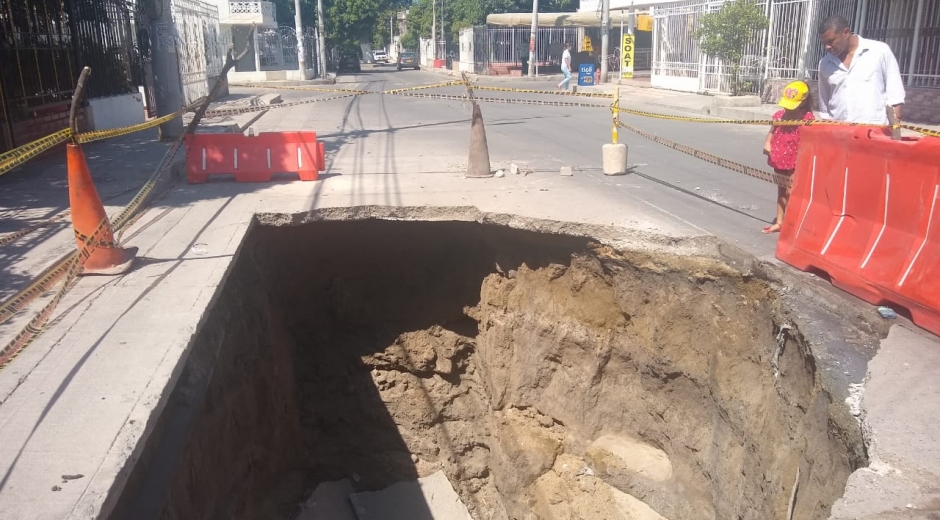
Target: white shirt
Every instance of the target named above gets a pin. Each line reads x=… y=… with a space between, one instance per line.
x=566 y=59
x=859 y=93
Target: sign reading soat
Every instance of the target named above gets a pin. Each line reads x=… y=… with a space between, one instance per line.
x=626 y=57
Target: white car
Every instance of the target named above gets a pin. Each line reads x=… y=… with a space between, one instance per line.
x=380 y=55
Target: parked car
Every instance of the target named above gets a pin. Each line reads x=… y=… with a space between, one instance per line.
x=380 y=55
x=407 y=59
x=349 y=62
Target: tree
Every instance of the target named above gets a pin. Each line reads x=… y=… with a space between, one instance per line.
x=408 y=41
x=725 y=34
x=460 y=14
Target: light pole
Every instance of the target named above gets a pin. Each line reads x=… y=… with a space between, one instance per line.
x=605 y=39
x=532 y=35
x=301 y=55
x=321 y=29
x=433 y=31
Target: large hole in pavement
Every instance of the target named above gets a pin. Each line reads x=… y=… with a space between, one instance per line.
x=548 y=376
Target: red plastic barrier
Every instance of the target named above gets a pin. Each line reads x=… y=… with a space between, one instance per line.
x=254 y=158
x=866 y=211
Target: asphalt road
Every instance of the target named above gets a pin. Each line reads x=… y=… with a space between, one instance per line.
x=386 y=134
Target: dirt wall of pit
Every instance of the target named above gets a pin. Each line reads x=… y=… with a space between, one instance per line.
x=549 y=376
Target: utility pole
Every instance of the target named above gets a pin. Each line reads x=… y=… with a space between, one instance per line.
x=168 y=88
x=605 y=40
x=391 y=33
x=532 y=37
x=321 y=29
x=301 y=55
x=433 y=30
x=443 y=45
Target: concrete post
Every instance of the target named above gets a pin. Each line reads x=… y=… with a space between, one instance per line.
x=321 y=43
x=533 y=36
x=433 y=32
x=301 y=54
x=256 y=46
x=168 y=87
x=918 y=21
x=605 y=40
x=614 y=155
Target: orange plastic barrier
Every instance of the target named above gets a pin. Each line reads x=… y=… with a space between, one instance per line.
x=865 y=210
x=254 y=158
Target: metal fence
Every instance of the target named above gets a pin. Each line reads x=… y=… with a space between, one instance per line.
x=790 y=48
x=505 y=46
x=912 y=29
x=45 y=43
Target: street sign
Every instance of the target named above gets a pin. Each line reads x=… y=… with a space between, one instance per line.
x=626 y=57
x=587 y=44
x=644 y=22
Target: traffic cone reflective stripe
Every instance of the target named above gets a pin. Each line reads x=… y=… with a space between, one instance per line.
x=93 y=233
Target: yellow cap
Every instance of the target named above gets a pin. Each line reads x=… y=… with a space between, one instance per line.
x=793 y=95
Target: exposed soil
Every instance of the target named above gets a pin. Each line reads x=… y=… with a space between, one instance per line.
x=550 y=377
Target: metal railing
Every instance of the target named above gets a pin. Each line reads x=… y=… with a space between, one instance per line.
x=790 y=48
x=43 y=43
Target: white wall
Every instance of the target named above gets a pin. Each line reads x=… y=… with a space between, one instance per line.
x=466 y=50
x=116 y=111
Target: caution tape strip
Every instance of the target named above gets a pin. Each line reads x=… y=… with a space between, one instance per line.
x=97 y=135
x=767 y=122
x=221 y=112
x=508 y=101
x=776 y=178
x=20 y=155
x=545 y=92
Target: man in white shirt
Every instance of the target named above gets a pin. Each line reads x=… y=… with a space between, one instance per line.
x=858 y=78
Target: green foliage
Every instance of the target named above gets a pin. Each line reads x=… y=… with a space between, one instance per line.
x=725 y=34
x=460 y=14
x=408 y=42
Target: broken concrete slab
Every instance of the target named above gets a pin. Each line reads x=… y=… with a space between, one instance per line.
x=269 y=99
x=330 y=501
x=428 y=498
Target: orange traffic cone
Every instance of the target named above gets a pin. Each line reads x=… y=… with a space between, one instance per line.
x=91 y=222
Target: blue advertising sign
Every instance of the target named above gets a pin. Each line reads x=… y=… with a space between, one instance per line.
x=586 y=74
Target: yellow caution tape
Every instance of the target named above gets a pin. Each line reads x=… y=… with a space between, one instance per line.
x=98 y=135
x=21 y=154
x=776 y=178
x=546 y=92
x=765 y=122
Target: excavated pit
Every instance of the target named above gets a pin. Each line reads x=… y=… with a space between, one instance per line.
x=548 y=376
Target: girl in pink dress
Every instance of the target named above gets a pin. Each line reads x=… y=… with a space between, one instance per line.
x=783 y=142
